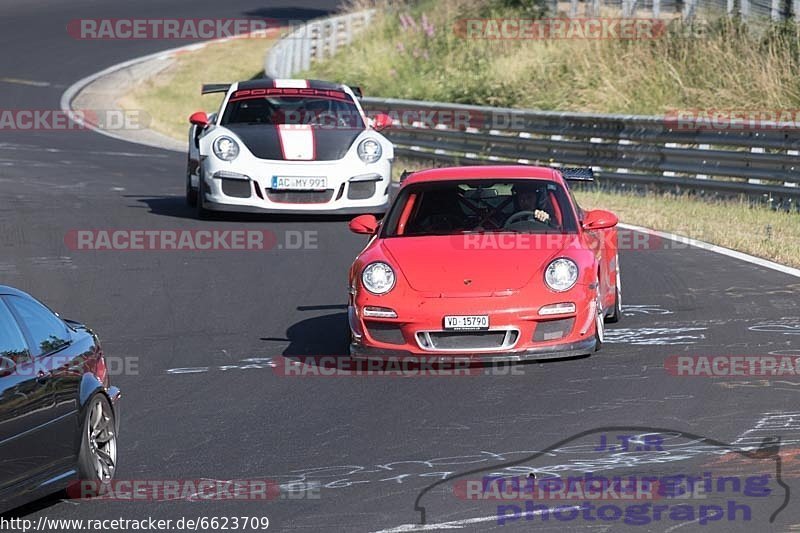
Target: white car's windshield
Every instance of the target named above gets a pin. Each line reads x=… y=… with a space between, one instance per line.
x=322 y=108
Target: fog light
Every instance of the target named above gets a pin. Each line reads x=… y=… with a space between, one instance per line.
x=379 y=312
x=557 y=309
x=552 y=330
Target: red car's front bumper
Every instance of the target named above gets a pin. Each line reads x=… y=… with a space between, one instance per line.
x=517 y=331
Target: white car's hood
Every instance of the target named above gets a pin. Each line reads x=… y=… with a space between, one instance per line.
x=294 y=142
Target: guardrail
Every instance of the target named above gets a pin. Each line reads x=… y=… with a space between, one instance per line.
x=314 y=40
x=759 y=162
x=736 y=159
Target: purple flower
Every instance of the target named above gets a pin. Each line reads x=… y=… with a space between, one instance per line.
x=407 y=21
x=427 y=26
x=401 y=48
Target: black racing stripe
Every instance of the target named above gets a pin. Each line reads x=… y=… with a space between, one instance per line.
x=333 y=143
x=261 y=139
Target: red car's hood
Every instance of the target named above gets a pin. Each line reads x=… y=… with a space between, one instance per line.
x=489 y=262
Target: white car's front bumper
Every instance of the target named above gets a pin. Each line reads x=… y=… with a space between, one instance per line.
x=352 y=187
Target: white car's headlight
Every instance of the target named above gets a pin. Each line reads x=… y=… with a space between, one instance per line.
x=561 y=274
x=378 y=278
x=226 y=148
x=369 y=150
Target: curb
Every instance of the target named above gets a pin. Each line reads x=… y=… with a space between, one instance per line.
x=168 y=143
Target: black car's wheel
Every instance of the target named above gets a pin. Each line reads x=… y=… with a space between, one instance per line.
x=202 y=212
x=191 y=192
x=97 y=459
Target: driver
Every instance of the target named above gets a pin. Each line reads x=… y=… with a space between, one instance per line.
x=531 y=198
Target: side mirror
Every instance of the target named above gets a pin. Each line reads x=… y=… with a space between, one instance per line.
x=199 y=119
x=599 y=219
x=381 y=121
x=7 y=366
x=364 y=224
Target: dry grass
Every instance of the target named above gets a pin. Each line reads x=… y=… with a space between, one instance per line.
x=722 y=67
x=581 y=75
x=754 y=230
x=174 y=94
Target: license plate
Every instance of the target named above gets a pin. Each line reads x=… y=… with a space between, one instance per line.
x=299 y=183
x=466 y=322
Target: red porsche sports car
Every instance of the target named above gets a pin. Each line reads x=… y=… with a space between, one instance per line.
x=485 y=262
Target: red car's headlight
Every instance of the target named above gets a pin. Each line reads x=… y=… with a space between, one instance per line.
x=378 y=278
x=561 y=274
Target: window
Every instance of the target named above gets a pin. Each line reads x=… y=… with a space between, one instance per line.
x=452 y=207
x=12 y=342
x=324 y=111
x=47 y=331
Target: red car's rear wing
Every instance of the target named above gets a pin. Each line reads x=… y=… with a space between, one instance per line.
x=577 y=173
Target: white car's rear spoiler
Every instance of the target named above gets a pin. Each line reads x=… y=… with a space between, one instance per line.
x=209 y=88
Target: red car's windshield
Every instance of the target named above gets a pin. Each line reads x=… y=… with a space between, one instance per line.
x=453 y=207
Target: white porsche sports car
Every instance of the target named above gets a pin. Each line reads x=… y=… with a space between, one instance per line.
x=288 y=146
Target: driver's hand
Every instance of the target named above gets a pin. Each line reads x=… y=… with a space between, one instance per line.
x=541 y=216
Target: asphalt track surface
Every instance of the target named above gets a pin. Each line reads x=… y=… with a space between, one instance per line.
x=370 y=444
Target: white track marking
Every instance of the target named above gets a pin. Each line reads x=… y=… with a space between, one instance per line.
x=30 y=83
x=458 y=524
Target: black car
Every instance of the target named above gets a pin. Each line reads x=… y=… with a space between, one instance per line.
x=58 y=413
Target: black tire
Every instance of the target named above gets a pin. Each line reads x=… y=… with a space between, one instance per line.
x=97 y=457
x=614 y=317
x=202 y=212
x=191 y=192
x=599 y=324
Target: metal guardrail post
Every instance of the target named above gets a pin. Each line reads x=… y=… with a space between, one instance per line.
x=304 y=44
x=775 y=10
x=689 y=9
